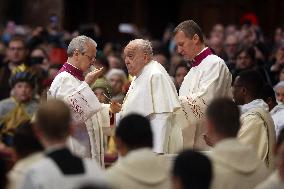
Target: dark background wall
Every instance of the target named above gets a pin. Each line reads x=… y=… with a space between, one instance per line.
x=155 y=15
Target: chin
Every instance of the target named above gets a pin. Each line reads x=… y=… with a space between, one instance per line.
x=186 y=58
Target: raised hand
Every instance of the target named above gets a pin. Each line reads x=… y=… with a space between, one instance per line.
x=93 y=76
x=115 y=107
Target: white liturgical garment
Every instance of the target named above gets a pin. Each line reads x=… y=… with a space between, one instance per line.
x=87 y=111
x=153 y=94
x=209 y=78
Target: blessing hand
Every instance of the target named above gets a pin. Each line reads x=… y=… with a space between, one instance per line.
x=115 y=107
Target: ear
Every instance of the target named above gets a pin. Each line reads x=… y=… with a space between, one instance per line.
x=195 y=38
x=176 y=182
x=244 y=91
x=37 y=132
x=145 y=57
x=117 y=142
x=76 y=54
x=72 y=128
x=121 y=147
x=209 y=125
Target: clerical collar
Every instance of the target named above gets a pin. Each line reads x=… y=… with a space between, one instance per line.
x=201 y=56
x=72 y=70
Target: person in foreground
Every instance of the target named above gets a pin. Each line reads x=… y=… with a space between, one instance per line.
x=276 y=179
x=191 y=170
x=137 y=167
x=59 y=168
x=235 y=165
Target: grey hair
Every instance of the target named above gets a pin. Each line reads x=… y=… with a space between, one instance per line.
x=144 y=45
x=79 y=43
x=119 y=72
x=279 y=85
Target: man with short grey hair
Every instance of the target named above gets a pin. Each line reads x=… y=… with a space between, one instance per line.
x=152 y=94
x=70 y=85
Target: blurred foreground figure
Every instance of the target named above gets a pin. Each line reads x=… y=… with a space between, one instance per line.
x=138 y=167
x=59 y=168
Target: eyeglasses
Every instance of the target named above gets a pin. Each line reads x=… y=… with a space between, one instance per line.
x=92 y=59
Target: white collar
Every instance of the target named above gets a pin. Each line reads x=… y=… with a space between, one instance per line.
x=73 y=66
x=201 y=51
x=257 y=103
x=277 y=108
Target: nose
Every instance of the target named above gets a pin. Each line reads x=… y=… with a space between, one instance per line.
x=179 y=49
x=126 y=60
x=281 y=98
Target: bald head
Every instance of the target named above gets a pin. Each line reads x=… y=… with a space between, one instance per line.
x=53 y=119
x=143 y=45
x=137 y=54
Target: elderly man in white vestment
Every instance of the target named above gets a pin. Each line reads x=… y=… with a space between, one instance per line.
x=138 y=167
x=153 y=95
x=276 y=110
x=235 y=165
x=257 y=127
x=89 y=114
x=276 y=179
x=59 y=168
x=207 y=79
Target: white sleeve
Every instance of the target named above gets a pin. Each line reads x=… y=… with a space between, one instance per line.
x=160 y=124
x=80 y=98
x=28 y=181
x=215 y=81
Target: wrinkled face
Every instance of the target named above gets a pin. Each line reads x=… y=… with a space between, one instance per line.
x=22 y=91
x=180 y=74
x=238 y=92
x=243 y=61
x=87 y=58
x=16 y=51
x=185 y=46
x=116 y=83
x=99 y=92
x=279 y=92
x=135 y=59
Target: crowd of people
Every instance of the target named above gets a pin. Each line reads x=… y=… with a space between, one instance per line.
x=185 y=111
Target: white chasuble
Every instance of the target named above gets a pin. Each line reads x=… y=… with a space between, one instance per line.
x=153 y=95
x=87 y=112
x=209 y=78
x=258 y=131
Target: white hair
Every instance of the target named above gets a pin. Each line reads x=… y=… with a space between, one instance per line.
x=144 y=45
x=279 y=85
x=118 y=72
x=79 y=43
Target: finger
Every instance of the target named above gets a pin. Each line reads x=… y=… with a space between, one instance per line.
x=95 y=71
